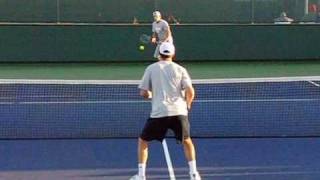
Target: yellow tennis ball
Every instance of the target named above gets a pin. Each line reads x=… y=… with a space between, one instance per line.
x=141 y=47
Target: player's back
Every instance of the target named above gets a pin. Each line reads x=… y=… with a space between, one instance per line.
x=168 y=81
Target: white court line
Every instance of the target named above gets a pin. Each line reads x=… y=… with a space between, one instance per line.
x=207 y=175
x=260 y=173
x=257 y=100
x=161 y=169
x=37 y=96
x=136 y=82
x=316 y=84
x=141 y=101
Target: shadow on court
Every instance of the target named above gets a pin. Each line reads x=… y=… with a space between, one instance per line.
x=115 y=159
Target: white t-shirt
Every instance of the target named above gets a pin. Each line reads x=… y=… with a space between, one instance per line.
x=167 y=81
x=161 y=28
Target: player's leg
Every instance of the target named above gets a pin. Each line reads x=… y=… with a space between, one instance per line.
x=142 y=157
x=190 y=154
x=181 y=128
x=142 y=160
x=189 y=149
x=142 y=151
x=154 y=129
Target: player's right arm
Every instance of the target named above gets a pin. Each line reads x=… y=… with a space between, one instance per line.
x=188 y=88
x=189 y=96
x=154 y=38
x=154 y=34
x=146 y=94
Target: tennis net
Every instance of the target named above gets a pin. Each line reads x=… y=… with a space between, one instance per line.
x=247 y=107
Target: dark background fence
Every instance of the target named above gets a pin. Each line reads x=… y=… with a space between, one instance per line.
x=125 y=11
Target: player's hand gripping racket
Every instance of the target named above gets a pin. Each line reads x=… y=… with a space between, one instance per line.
x=146 y=39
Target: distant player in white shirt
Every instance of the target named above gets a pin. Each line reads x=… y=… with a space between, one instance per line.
x=170 y=88
x=160 y=32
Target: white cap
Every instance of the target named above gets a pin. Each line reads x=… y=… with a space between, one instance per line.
x=156 y=13
x=167 y=48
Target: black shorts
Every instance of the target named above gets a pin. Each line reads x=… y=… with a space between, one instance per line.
x=156 y=128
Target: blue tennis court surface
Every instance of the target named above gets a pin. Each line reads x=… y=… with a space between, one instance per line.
x=115 y=159
x=254 y=130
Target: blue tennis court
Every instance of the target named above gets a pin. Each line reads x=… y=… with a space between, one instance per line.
x=243 y=128
x=218 y=159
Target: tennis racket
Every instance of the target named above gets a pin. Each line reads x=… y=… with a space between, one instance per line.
x=145 y=39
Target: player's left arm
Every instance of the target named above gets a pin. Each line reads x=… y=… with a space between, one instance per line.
x=154 y=35
x=168 y=35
